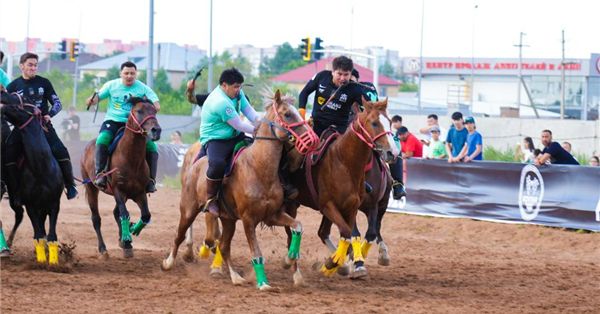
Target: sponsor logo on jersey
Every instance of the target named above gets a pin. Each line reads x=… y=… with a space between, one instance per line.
x=228 y=111
x=321 y=88
x=40 y=91
x=320 y=100
x=343 y=98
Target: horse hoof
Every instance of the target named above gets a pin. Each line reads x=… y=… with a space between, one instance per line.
x=127 y=253
x=5 y=253
x=216 y=273
x=103 y=256
x=383 y=261
x=343 y=270
x=358 y=273
x=286 y=263
x=188 y=257
x=237 y=280
x=266 y=287
x=298 y=280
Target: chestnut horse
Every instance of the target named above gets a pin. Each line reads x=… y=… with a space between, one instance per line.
x=41 y=180
x=339 y=179
x=252 y=193
x=374 y=206
x=128 y=174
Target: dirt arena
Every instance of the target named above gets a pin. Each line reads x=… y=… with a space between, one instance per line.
x=438 y=265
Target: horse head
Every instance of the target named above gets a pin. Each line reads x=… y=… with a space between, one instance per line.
x=142 y=119
x=289 y=124
x=22 y=114
x=373 y=127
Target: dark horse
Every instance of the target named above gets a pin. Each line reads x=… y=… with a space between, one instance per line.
x=41 y=179
x=339 y=178
x=128 y=174
x=252 y=194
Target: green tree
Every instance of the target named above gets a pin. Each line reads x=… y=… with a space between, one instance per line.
x=286 y=58
x=387 y=69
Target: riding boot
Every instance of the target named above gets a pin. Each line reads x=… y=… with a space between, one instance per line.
x=101 y=159
x=152 y=160
x=67 y=172
x=399 y=190
x=13 y=182
x=212 y=191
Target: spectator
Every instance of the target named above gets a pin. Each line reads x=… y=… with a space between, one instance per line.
x=473 y=149
x=396 y=168
x=436 y=148
x=457 y=137
x=553 y=152
x=594 y=161
x=566 y=146
x=525 y=150
x=432 y=120
x=71 y=125
x=411 y=146
x=176 y=138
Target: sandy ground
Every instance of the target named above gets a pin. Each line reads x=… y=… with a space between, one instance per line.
x=438 y=265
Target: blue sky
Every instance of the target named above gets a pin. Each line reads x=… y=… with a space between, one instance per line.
x=451 y=28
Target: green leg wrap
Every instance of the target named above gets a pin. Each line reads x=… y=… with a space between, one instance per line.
x=294 y=250
x=125 y=232
x=3 y=244
x=137 y=228
x=259 y=268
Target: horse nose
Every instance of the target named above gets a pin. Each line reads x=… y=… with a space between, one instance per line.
x=156 y=133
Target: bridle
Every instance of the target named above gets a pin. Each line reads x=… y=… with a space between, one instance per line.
x=364 y=135
x=140 y=130
x=36 y=114
x=304 y=143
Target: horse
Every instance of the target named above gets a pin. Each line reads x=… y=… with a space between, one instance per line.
x=374 y=206
x=41 y=181
x=127 y=176
x=339 y=185
x=246 y=198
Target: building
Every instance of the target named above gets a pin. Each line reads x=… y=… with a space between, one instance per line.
x=254 y=55
x=463 y=81
x=176 y=60
x=298 y=77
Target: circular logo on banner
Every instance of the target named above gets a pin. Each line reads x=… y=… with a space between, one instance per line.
x=531 y=192
x=598 y=65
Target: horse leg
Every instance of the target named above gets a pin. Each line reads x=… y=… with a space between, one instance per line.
x=338 y=258
x=188 y=214
x=52 y=238
x=258 y=261
x=142 y=203
x=123 y=221
x=18 y=219
x=91 y=194
x=212 y=234
x=384 y=256
x=225 y=252
x=188 y=255
x=324 y=232
x=39 y=235
x=295 y=227
x=4 y=248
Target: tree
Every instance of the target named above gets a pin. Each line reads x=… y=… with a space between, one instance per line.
x=286 y=58
x=387 y=69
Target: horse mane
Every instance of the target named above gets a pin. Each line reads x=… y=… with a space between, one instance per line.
x=269 y=96
x=135 y=100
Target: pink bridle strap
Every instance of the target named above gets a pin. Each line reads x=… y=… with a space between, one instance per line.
x=366 y=138
x=306 y=142
x=139 y=124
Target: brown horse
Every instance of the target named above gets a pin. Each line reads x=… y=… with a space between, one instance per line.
x=374 y=206
x=340 y=178
x=246 y=197
x=129 y=174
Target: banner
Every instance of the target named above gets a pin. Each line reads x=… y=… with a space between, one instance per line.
x=554 y=195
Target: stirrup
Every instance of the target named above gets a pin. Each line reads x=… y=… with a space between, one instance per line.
x=100 y=180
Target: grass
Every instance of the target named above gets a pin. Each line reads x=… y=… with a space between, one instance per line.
x=493 y=154
x=173 y=182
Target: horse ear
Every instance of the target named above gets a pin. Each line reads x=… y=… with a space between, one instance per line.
x=277 y=97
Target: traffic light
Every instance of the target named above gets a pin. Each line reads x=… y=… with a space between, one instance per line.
x=305 y=48
x=74 y=51
x=62 y=47
x=318 y=55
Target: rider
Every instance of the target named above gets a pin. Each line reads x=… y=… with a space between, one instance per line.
x=40 y=92
x=329 y=109
x=221 y=129
x=4 y=79
x=119 y=91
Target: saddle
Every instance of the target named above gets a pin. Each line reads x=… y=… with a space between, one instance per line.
x=237 y=151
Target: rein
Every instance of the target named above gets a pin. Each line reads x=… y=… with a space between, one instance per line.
x=140 y=129
x=36 y=114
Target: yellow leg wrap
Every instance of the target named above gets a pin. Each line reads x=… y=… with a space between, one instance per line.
x=338 y=257
x=40 y=250
x=218 y=260
x=53 y=253
x=204 y=251
x=357 y=249
x=366 y=246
